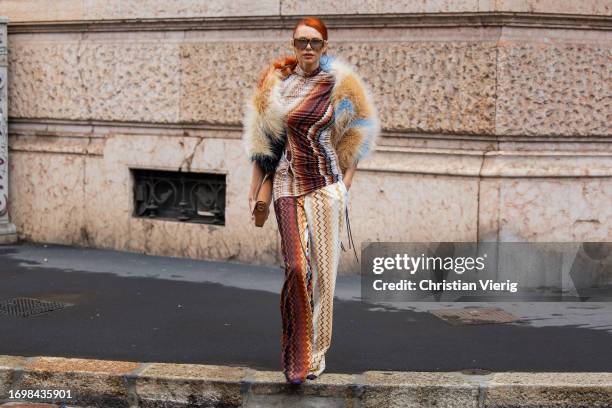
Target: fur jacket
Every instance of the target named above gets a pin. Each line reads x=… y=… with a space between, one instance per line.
x=355 y=127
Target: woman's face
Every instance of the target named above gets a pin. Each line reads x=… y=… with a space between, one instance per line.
x=309 y=56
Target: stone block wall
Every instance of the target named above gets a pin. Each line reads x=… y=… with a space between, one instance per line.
x=496 y=118
x=8 y=231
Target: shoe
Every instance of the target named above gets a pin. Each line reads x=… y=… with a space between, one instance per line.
x=294 y=381
x=313 y=376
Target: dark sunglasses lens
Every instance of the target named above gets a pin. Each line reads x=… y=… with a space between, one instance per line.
x=300 y=43
x=316 y=44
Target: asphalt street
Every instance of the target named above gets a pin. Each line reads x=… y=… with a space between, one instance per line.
x=129 y=306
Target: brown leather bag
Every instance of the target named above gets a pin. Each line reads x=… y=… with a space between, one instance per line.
x=263 y=198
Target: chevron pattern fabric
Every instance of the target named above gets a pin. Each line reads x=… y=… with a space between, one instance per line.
x=310 y=227
x=309 y=160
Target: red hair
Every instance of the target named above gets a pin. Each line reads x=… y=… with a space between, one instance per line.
x=315 y=23
x=288 y=63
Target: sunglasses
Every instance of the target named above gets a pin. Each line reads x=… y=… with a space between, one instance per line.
x=315 y=43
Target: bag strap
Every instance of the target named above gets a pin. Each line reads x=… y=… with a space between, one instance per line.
x=263 y=180
x=350 y=235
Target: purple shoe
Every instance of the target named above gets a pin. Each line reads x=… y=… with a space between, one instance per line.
x=296 y=382
x=311 y=376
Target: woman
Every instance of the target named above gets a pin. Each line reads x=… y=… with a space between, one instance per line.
x=309 y=122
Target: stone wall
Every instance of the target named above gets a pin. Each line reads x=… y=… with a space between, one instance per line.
x=8 y=231
x=72 y=10
x=496 y=118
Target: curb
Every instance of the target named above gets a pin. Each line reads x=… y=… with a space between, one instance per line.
x=106 y=383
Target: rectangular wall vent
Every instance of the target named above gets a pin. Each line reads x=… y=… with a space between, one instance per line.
x=181 y=196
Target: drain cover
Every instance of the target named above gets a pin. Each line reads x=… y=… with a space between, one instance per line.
x=24 y=307
x=474 y=315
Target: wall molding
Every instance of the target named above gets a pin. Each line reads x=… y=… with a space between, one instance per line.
x=86 y=128
x=494 y=164
x=100 y=128
x=494 y=159
x=411 y=20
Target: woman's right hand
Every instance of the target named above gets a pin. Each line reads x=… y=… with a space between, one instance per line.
x=256 y=178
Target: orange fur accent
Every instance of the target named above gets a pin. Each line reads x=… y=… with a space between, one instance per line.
x=347 y=148
x=260 y=99
x=263 y=75
x=285 y=64
x=350 y=88
x=264 y=117
x=264 y=86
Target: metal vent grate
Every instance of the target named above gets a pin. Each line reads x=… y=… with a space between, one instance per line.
x=24 y=307
x=474 y=315
x=183 y=196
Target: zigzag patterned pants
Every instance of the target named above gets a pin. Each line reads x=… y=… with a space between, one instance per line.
x=310 y=227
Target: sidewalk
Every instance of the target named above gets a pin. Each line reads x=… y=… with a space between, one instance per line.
x=147 y=310
x=95 y=383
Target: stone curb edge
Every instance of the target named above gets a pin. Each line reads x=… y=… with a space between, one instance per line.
x=106 y=383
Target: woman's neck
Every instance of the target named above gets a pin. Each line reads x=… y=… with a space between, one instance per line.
x=310 y=68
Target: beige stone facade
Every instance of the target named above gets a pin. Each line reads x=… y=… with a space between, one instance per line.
x=8 y=231
x=496 y=118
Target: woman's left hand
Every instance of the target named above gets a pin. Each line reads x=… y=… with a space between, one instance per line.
x=347 y=177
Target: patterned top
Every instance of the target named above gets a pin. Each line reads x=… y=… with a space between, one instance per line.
x=309 y=161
